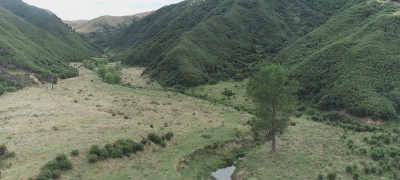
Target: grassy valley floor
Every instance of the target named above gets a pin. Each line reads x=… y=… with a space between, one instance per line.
x=38 y=123
x=209 y=132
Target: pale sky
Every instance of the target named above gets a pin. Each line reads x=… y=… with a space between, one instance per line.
x=90 y=9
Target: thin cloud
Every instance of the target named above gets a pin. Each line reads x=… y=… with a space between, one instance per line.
x=89 y=9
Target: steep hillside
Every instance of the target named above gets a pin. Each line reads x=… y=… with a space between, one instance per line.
x=196 y=42
x=35 y=40
x=352 y=61
x=104 y=29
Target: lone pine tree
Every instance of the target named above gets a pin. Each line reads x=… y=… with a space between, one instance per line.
x=272 y=92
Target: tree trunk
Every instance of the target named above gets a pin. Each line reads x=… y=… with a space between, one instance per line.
x=273 y=142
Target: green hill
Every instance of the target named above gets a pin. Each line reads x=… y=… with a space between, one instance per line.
x=197 y=42
x=351 y=62
x=102 y=30
x=34 y=40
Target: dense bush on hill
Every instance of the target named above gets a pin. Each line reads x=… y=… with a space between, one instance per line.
x=351 y=62
x=197 y=42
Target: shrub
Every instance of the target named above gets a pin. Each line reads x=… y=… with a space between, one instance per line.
x=163 y=144
x=65 y=165
x=95 y=149
x=93 y=158
x=356 y=176
x=104 y=154
x=74 y=153
x=2 y=89
x=109 y=78
x=320 y=177
x=101 y=71
x=363 y=151
x=144 y=141
x=298 y=114
x=315 y=118
x=169 y=136
x=48 y=174
x=349 y=169
x=51 y=165
x=9 y=155
x=61 y=157
x=53 y=168
x=154 y=138
x=367 y=170
x=89 y=64
x=372 y=170
x=301 y=108
x=138 y=147
x=331 y=175
x=3 y=149
x=116 y=153
x=109 y=147
x=228 y=93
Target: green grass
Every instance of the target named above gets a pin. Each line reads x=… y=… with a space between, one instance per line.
x=303 y=152
x=215 y=93
x=89 y=121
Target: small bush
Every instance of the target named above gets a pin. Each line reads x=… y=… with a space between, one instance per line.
x=155 y=138
x=301 y=108
x=65 y=165
x=74 y=153
x=315 y=118
x=144 y=141
x=116 y=153
x=363 y=151
x=104 y=154
x=206 y=136
x=95 y=149
x=367 y=170
x=163 y=144
x=349 y=169
x=320 y=177
x=356 y=176
x=298 y=114
x=93 y=158
x=331 y=176
x=3 y=149
x=53 y=168
x=61 y=157
x=169 y=136
x=9 y=155
x=109 y=147
x=228 y=93
x=139 y=147
x=373 y=170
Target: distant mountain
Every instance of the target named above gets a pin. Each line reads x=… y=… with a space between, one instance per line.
x=352 y=62
x=36 y=41
x=196 y=42
x=103 y=29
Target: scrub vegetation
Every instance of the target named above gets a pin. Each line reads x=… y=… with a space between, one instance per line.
x=194 y=87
